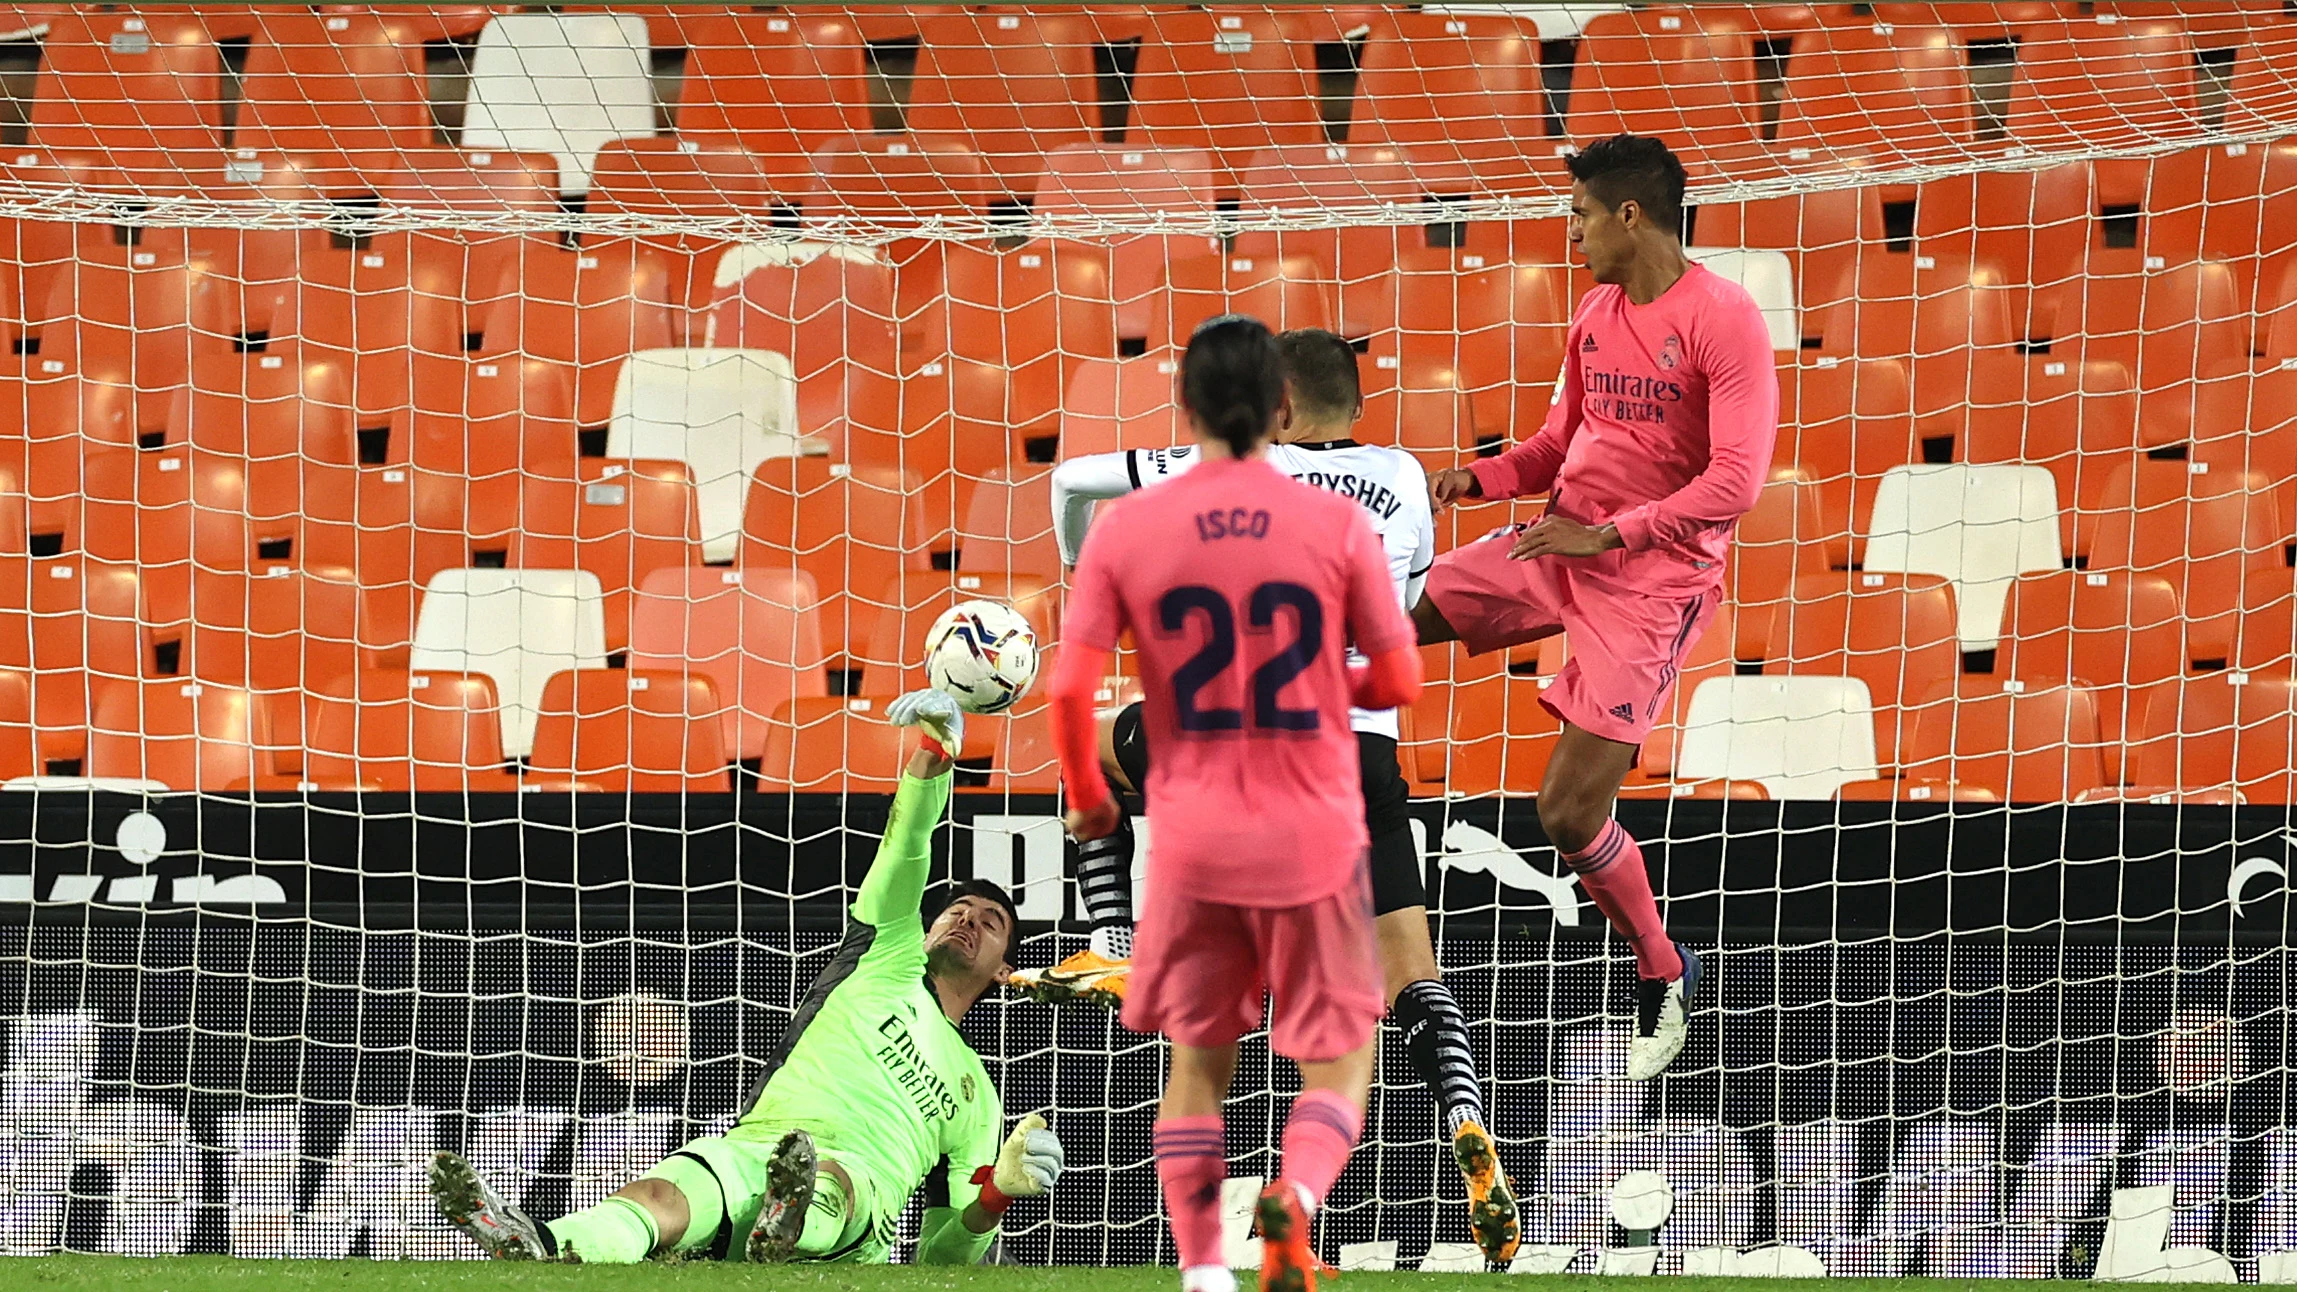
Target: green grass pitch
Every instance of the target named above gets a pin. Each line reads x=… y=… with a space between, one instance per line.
x=221 y=1274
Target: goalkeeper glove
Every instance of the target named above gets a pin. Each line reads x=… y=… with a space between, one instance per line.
x=933 y=712
x=1027 y=1166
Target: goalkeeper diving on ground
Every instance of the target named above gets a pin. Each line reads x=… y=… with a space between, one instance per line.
x=871 y=1094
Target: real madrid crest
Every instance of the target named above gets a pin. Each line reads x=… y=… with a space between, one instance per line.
x=1671 y=352
x=965 y=1087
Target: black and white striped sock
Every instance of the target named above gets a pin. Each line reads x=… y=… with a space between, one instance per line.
x=1436 y=1041
x=1105 y=884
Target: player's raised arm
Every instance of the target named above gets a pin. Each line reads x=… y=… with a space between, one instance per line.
x=1078 y=483
x=1530 y=466
x=1093 y=620
x=895 y=887
x=1734 y=350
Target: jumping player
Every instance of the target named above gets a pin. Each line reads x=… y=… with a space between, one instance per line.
x=1314 y=444
x=1242 y=589
x=870 y=1094
x=1658 y=441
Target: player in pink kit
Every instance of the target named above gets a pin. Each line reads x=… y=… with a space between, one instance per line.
x=1658 y=441
x=1243 y=589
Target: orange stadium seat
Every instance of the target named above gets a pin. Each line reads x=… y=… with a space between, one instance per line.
x=592 y=308
x=835 y=319
x=1227 y=83
x=432 y=22
x=2165 y=325
x=79 y=625
x=777 y=85
x=1501 y=736
x=851 y=528
x=1821 y=234
x=2265 y=636
x=2112 y=630
x=1894 y=632
x=1008 y=526
x=622 y=521
x=1038 y=311
x=2078 y=419
x=2093 y=82
x=1463 y=96
x=1282 y=292
x=2245 y=207
x=1338 y=175
x=390 y=729
x=279 y=629
x=901 y=178
x=1112 y=180
x=19 y=752
x=1417 y=404
x=2207 y=532
x=340 y=83
x=832 y=745
x=706 y=176
x=2023 y=744
x=1788 y=534
x=1671 y=72
x=2010 y=227
x=185 y=734
x=1009 y=85
x=2261 y=99
x=634 y=730
x=1909 y=790
x=2232 y=731
x=946 y=422
x=1854 y=420
x=140 y=92
x=1113 y=404
x=140 y=313
x=756 y=634
x=1882 y=90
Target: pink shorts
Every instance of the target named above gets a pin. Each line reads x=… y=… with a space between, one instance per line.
x=1201 y=969
x=1627 y=644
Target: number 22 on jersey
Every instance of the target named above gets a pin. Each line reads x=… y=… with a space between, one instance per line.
x=1177 y=608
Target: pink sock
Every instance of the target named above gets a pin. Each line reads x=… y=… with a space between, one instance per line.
x=1191 y=1161
x=1612 y=869
x=1318 y=1137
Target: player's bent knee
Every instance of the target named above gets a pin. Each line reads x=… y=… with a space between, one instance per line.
x=665 y=1202
x=1430 y=624
x=1572 y=820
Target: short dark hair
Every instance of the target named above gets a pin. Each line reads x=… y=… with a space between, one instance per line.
x=1229 y=378
x=989 y=892
x=1634 y=168
x=1320 y=371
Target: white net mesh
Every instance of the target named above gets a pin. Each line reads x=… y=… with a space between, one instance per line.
x=525 y=449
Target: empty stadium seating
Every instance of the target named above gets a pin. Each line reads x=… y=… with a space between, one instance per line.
x=256 y=475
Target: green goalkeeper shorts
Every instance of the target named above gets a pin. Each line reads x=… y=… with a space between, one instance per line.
x=739 y=1163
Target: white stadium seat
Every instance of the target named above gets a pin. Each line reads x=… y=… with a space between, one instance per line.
x=1769 y=277
x=1980 y=526
x=721 y=412
x=1801 y=737
x=565 y=84
x=517 y=627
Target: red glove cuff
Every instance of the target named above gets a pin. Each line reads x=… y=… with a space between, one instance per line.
x=993 y=1199
x=936 y=748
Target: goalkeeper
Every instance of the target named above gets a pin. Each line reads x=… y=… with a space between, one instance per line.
x=871 y=1093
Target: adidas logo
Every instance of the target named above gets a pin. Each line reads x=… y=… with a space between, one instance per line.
x=1623 y=712
x=1587 y=346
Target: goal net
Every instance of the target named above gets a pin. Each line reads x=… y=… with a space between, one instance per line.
x=471 y=478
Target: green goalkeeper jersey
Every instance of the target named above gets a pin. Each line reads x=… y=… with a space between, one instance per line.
x=872 y=1067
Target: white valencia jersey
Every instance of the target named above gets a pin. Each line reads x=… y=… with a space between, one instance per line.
x=1389 y=484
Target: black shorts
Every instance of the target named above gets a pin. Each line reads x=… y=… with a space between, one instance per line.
x=1398 y=880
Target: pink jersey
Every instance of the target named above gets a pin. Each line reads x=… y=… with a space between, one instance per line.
x=1243 y=588
x=1663 y=426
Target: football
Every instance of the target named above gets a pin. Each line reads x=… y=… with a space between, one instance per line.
x=982 y=652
